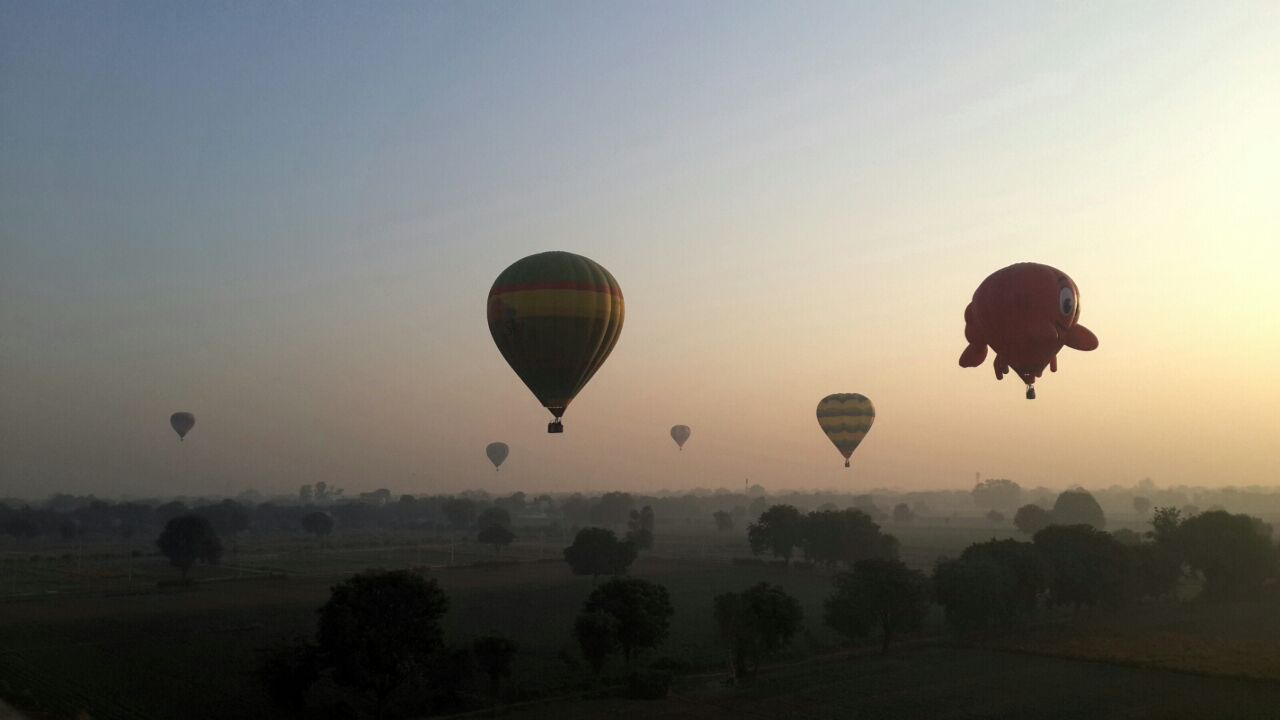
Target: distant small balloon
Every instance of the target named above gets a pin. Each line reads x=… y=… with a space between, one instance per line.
x=182 y=422
x=846 y=418
x=497 y=452
x=680 y=433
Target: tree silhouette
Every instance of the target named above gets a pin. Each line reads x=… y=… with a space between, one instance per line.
x=380 y=628
x=778 y=530
x=1031 y=519
x=1078 y=507
x=493 y=516
x=641 y=611
x=724 y=521
x=493 y=655
x=596 y=552
x=997 y=494
x=497 y=536
x=187 y=539
x=882 y=595
x=1087 y=567
x=318 y=523
x=597 y=635
x=756 y=622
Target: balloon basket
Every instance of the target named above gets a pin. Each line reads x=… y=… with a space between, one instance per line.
x=555 y=426
x=1031 y=392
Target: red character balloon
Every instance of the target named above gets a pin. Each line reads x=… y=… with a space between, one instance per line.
x=1026 y=312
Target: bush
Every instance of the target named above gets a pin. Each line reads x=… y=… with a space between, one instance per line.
x=649 y=684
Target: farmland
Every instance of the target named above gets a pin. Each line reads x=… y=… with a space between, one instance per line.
x=90 y=630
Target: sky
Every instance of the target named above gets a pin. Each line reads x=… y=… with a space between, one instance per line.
x=285 y=219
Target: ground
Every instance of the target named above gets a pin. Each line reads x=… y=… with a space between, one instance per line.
x=88 y=631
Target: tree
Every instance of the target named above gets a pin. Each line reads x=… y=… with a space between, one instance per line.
x=997 y=494
x=305 y=495
x=995 y=517
x=497 y=536
x=1032 y=519
x=902 y=513
x=1078 y=507
x=778 y=530
x=756 y=622
x=883 y=595
x=1127 y=537
x=70 y=530
x=1086 y=566
x=1155 y=568
x=493 y=516
x=1164 y=527
x=171 y=510
x=187 y=539
x=724 y=521
x=459 y=512
x=845 y=536
x=21 y=525
x=1141 y=505
x=288 y=672
x=1233 y=552
x=867 y=504
x=318 y=523
x=597 y=635
x=380 y=629
x=1023 y=580
x=228 y=517
x=640 y=528
x=641 y=610
x=576 y=510
x=976 y=593
x=493 y=655
x=596 y=552
x=613 y=509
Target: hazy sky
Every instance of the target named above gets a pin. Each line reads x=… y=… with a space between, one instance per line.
x=285 y=218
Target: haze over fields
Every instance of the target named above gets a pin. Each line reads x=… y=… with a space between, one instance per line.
x=285 y=219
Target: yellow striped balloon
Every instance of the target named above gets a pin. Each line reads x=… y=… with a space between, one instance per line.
x=846 y=418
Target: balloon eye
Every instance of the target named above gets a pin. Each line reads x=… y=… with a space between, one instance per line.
x=1067 y=301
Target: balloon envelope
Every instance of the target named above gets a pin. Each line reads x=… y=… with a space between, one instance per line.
x=497 y=452
x=182 y=422
x=846 y=418
x=1026 y=312
x=555 y=317
x=680 y=433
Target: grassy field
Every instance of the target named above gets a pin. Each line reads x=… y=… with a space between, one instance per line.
x=188 y=653
x=946 y=683
x=87 y=630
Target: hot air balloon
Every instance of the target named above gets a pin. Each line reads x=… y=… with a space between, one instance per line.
x=1026 y=312
x=846 y=418
x=680 y=433
x=182 y=422
x=555 y=317
x=497 y=452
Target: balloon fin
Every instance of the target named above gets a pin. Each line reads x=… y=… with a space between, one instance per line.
x=1080 y=337
x=973 y=355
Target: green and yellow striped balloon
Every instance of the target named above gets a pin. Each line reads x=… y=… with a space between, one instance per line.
x=846 y=418
x=555 y=317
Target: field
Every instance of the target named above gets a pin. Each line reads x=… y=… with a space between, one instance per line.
x=87 y=632
x=944 y=683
